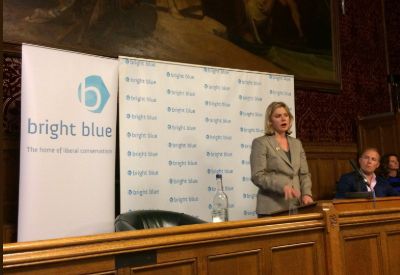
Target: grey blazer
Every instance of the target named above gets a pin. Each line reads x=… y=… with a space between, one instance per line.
x=271 y=170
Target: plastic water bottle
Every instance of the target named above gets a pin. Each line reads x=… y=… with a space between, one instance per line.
x=219 y=211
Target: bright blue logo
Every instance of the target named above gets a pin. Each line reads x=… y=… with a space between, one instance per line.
x=93 y=94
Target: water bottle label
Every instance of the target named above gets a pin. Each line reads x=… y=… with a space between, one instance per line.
x=219 y=215
x=216 y=219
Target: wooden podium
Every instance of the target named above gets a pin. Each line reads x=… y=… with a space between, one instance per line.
x=366 y=204
x=302 y=209
x=340 y=237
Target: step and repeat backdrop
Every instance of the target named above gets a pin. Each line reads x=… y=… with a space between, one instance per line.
x=181 y=124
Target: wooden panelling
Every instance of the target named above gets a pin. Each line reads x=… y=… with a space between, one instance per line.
x=102 y=265
x=9 y=233
x=256 y=253
x=368 y=237
x=365 y=204
x=187 y=267
x=9 y=181
x=393 y=252
x=104 y=273
x=327 y=163
x=362 y=255
x=10 y=163
x=284 y=254
x=323 y=177
x=330 y=241
x=243 y=262
x=287 y=258
x=380 y=131
x=193 y=249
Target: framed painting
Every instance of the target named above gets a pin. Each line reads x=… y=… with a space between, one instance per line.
x=298 y=37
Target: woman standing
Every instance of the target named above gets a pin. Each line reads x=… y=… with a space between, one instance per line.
x=278 y=164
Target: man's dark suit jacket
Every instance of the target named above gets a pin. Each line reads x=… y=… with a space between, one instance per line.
x=352 y=182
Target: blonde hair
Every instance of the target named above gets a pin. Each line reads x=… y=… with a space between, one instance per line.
x=269 y=130
x=373 y=149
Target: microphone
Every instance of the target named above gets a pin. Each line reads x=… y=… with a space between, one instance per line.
x=354 y=166
x=372 y=192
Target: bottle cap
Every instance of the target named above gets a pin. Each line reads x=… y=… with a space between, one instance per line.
x=218 y=176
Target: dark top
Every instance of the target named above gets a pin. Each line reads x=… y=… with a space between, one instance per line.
x=288 y=155
x=352 y=182
x=394 y=182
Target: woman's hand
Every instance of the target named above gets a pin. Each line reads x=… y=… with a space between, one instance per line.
x=290 y=192
x=307 y=199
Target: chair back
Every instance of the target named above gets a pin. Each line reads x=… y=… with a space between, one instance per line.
x=144 y=219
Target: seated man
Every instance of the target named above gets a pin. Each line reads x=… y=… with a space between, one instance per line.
x=365 y=179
